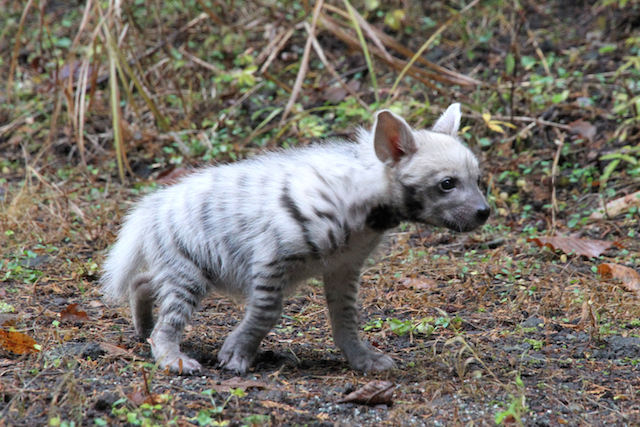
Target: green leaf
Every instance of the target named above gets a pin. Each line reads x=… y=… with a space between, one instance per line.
x=399 y=327
x=394 y=19
x=371 y=4
x=509 y=63
x=560 y=97
x=63 y=42
x=607 y=48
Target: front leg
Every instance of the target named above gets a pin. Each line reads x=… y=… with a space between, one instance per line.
x=341 y=290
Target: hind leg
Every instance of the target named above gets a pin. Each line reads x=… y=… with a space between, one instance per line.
x=141 y=300
x=263 y=311
x=178 y=299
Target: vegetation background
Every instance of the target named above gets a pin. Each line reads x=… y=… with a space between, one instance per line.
x=534 y=319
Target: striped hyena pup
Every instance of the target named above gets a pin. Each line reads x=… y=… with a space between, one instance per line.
x=258 y=227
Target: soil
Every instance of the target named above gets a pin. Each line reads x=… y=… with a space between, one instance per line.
x=496 y=328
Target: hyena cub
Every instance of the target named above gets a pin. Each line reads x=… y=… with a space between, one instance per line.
x=258 y=227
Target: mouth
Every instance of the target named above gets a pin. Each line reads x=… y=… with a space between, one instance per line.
x=461 y=228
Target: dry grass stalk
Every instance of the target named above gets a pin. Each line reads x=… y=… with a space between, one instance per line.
x=318 y=49
x=335 y=28
x=444 y=75
x=304 y=64
x=16 y=48
x=428 y=43
x=365 y=50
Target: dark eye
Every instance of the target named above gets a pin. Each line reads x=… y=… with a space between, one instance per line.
x=447 y=184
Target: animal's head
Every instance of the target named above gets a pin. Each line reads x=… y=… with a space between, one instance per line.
x=434 y=177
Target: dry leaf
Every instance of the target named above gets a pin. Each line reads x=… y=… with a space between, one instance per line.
x=139 y=396
x=6 y=362
x=283 y=406
x=583 y=128
x=17 y=342
x=567 y=244
x=72 y=313
x=172 y=175
x=588 y=317
x=417 y=283
x=114 y=350
x=630 y=278
x=617 y=206
x=373 y=393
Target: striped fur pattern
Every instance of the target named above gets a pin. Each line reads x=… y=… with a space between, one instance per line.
x=256 y=228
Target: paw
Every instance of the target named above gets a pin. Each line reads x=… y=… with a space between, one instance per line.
x=235 y=358
x=180 y=364
x=372 y=361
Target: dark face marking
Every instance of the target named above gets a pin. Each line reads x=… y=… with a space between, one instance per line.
x=412 y=203
x=382 y=217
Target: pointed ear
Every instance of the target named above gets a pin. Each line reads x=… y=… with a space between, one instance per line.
x=392 y=137
x=449 y=121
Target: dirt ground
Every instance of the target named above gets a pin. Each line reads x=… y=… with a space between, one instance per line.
x=486 y=327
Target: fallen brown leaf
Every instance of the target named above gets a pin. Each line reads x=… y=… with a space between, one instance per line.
x=6 y=362
x=17 y=342
x=71 y=312
x=139 y=396
x=567 y=244
x=583 y=128
x=417 y=283
x=629 y=277
x=114 y=350
x=172 y=175
x=617 y=206
x=373 y=393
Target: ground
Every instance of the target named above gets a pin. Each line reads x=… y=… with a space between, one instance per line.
x=492 y=326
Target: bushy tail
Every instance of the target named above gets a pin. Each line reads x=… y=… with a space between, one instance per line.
x=124 y=259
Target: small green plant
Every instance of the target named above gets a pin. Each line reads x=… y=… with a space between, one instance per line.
x=517 y=407
x=425 y=326
x=256 y=420
x=147 y=414
x=535 y=344
x=211 y=416
x=19 y=269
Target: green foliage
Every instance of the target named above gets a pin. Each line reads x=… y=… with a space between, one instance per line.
x=147 y=415
x=212 y=416
x=425 y=326
x=19 y=269
x=517 y=407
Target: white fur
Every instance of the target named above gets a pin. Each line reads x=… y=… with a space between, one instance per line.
x=258 y=227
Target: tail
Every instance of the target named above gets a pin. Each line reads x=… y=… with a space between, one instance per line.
x=124 y=259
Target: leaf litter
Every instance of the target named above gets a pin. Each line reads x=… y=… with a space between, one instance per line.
x=552 y=342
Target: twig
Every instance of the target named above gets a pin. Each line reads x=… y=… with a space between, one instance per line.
x=423 y=76
x=304 y=64
x=543 y=60
x=284 y=38
x=427 y=43
x=199 y=61
x=332 y=71
x=16 y=48
x=527 y=119
x=442 y=74
x=554 y=173
x=365 y=49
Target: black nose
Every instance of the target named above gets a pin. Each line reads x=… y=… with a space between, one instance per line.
x=483 y=213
